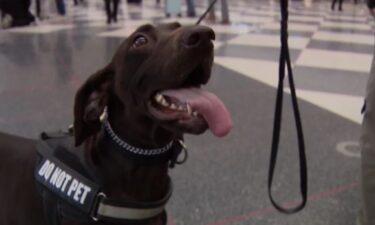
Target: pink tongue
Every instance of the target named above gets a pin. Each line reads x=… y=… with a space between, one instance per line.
x=208 y=105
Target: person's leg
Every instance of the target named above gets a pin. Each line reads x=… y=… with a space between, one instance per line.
x=190 y=8
x=333 y=5
x=340 y=4
x=108 y=10
x=59 y=7
x=22 y=16
x=63 y=7
x=38 y=8
x=225 y=12
x=27 y=15
x=115 y=9
x=371 y=7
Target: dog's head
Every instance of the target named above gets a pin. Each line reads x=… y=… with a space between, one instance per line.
x=157 y=73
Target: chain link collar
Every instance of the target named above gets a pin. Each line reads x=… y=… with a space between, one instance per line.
x=127 y=147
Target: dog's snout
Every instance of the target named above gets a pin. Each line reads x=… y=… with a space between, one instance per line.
x=197 y=35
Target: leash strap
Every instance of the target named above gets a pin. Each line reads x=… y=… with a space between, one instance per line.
x=113 y=210
x=285 y=60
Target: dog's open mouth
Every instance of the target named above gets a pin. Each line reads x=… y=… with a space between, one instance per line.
x=192 y=107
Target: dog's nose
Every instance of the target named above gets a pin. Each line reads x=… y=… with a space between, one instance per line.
x=197 y=35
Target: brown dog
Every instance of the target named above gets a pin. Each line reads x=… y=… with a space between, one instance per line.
x=151 y=92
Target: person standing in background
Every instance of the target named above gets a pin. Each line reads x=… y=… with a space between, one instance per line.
x=16 y=13
x=38 y=9
x=224 y=12
x=60 y=4
x=190 y=8
x=371 y=7
x=334 y=3
x=111 y=8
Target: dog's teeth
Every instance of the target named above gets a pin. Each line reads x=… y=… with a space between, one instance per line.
x=159 y=97
x=164 y=102
x=195 y=113
x=180 y=108
x=173 y=106
x=188 y=109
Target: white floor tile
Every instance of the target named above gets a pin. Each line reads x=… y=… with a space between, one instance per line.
x=123 y=32
x=345 y=25
x=260 y=70
x=344 y=17
x=40 y=29
x=306 y=18
x=335 y=60
x=269 y=41
x=344 y=37
x=251 y=19
x=291 y=26
x=235 y=29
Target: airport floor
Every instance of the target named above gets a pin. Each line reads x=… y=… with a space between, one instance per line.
x=225 y=180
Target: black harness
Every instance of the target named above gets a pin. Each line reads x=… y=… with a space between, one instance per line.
x=71 y=192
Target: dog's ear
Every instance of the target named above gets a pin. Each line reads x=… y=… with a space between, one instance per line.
x=90 y=101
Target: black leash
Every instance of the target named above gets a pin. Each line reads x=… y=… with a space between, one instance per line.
x=285 y=59
x=213 y=2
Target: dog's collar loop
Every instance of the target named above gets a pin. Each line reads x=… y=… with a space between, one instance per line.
x=138 y=151
x=107 y=209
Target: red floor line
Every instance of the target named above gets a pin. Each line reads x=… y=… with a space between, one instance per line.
x=170 y=221
x=314 y=197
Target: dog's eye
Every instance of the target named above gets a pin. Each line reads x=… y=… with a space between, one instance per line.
x=139 y=41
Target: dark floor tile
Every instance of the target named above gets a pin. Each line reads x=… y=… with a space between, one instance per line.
x=332 y=81
x=340 y=46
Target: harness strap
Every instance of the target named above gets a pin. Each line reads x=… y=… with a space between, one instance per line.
x=62 y=200
x=109 y=212
x=109 y=209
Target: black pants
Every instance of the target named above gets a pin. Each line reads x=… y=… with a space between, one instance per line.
x=111 y=8
x=37 y=8
x=371 y=4
x=334 y=3
x=18 y=10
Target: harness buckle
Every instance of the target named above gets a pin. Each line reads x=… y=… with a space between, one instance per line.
x=99 y=197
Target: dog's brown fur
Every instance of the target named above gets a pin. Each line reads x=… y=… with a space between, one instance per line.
x=124 y=86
